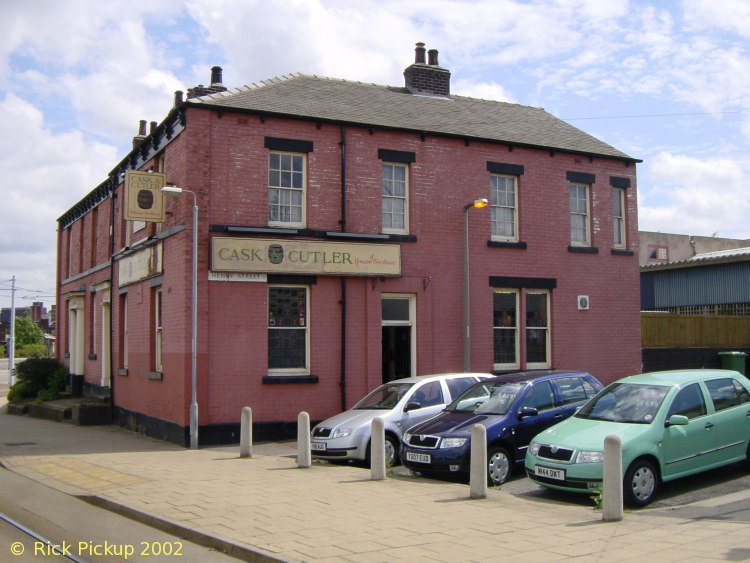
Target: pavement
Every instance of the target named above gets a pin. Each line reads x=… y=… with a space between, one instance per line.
x=265 y=508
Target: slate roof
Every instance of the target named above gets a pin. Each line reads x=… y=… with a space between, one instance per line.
x=373 y=105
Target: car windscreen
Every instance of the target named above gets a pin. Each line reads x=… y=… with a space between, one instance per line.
x=488 y=398
x=625 y=402
x=384 y=397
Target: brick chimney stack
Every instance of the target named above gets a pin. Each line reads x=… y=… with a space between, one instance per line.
x=429 y=78
x=139 y=138
x=216 y=85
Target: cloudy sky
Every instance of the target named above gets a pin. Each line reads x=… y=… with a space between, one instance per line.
x=667 y=82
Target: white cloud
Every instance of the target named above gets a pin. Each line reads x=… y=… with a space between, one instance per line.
x=354 y=40
x=695 y=196
x=97 y=57
x=726 y=15
x=482 y=90
x=44 y=174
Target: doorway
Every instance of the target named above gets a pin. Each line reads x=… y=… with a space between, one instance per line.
x=398 y=338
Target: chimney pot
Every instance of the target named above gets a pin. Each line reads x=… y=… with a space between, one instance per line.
x=178 y=97
x=419 y=53
x=152 y=128
x=427 y=79
x=141 y=136
x=215 y=75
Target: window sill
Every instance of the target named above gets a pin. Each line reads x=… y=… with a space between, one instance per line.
x=505 y=244
x=335 y=235
x=584 y=249
x=275 y=379
x=503 y=370
x=122 y=371
x=622 y=252
x=155 y=375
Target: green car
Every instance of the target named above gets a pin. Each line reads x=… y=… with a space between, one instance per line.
x=671 y=424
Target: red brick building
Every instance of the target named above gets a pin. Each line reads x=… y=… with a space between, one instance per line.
x=335 y=238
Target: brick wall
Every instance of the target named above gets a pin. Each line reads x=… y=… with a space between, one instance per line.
x=228 y=167
x=223 y=160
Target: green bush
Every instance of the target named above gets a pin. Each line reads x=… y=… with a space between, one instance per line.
x=18 y=392
x=31 y=351
x=55 y=384
x=34 y=375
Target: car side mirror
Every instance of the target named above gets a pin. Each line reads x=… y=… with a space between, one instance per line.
x=412 y=406
x=677 y=420
x=527 y=411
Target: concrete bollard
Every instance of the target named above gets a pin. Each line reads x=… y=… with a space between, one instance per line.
x=304 y=455
x=612 y=509
x=246 y=432
x=377 y=450
x=478 y=463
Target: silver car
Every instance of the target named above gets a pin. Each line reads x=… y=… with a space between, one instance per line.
x=401 y=404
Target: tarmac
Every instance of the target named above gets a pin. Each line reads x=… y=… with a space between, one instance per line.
x=265 y=508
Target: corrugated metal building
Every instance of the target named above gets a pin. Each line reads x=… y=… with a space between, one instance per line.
x=708 y=283
x=696 y=312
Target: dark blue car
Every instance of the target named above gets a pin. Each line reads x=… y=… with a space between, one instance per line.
x=513 y=407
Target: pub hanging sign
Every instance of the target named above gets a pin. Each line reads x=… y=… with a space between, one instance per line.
x=144 y=200
x=304 y=257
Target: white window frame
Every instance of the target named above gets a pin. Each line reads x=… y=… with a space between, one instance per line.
x=76 y=334
x=511 y=327
x=390 y=198
x=283 y=190
x=124 y=334
x=496 y=205
x=577 y=210
x=106 y=365
x=158 y=322
x=521 y=330
x=618 y=220
x=304 y=370
x=411 y=322
x=547 y=328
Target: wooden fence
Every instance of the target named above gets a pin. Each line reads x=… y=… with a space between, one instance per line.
x=664 y=330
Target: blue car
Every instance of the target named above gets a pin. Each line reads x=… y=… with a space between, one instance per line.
x=514 y=408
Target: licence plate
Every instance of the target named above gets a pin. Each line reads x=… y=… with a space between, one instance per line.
x=318 y=446
x=550 y=473
x=419 y=458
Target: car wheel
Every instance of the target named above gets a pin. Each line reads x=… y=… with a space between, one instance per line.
x=746 y=463
x=391 y=452
x=499 y=466
x=640 y=484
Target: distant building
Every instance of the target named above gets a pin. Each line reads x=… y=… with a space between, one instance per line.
x=696 y=311
x=334 y=221
x=709 y=283
x=662 y=248
x=37 y=312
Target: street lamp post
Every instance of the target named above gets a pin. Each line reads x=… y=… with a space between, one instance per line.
x=194 y=341
x=11 y=338
x=478 y=203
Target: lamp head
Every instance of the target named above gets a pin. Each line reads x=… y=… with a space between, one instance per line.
x=479 y=203
x=171 y=189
